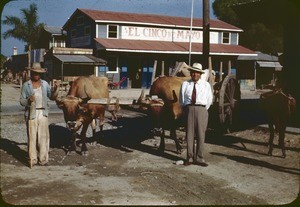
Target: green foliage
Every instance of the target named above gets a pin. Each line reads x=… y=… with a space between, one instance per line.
x=3 y=59
x=259 y=37
x=222 y=9
x=27 y=28
x=256 y=36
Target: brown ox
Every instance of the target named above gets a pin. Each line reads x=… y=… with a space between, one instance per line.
x=165 y=111
x=78 y=112
x=279 y=108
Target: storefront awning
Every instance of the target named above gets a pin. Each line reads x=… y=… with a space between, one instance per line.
x=80 y=59
x=266 y=64
x=164 y=47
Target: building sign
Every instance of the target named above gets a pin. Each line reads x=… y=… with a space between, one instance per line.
x=81 y=41
x=160 y=34
x=184 y=35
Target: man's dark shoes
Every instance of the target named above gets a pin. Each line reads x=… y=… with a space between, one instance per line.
x=203 y=164
x=187 y=163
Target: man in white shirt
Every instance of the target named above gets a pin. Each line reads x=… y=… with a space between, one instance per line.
x=196 y=98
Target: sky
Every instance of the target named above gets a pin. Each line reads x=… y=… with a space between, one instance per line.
x=57 y=12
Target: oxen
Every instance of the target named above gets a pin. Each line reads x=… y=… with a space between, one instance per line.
x=79 y=113
x=279 y=108
x=165 y=110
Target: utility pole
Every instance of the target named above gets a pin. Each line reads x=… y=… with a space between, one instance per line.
x=191 y=29
x=206 y=26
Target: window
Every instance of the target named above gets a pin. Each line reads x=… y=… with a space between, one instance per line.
x=226 y=38
x=112 y=31
x=87 y=30
x=79 y=20
x=73 y=33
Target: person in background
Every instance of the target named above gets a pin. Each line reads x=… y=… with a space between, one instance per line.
x=34 y=96
x=196 y=98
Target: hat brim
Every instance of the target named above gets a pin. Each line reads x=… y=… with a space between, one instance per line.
x=40 y=70
x=196 y=69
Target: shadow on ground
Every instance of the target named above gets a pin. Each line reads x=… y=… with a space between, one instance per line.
x=255 y=162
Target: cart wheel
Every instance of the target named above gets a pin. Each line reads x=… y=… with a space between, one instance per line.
x=229 y=98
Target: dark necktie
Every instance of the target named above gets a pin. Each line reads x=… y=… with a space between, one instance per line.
x=194 y=94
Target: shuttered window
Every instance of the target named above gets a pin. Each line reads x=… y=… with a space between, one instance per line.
x=112 y=31
x=226 y=38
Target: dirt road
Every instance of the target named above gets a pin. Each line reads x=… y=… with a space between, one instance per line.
x=125 y=168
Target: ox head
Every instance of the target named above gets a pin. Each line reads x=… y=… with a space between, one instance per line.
x=78 y=111
x=73 y=111
x=155 y=107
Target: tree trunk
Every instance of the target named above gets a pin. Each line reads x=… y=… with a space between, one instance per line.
x=29 y=59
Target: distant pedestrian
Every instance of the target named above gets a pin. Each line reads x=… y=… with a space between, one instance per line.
x=196 y=98
x=34 y=96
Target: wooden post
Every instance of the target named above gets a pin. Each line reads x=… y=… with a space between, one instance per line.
x=154 y=71
x=206 y=25
x=255 y=76
x=221 y=71
x=210 y=72
x=62 y=72
x=229 y=67
x=162 y=68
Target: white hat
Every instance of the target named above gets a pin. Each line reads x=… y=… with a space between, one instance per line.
x=36 y=67
x=197 y=67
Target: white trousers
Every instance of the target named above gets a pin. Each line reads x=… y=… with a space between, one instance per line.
x=38 y=139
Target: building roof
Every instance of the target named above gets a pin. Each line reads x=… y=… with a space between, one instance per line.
x=54 y=30
x=152 y=19
x=75 y=59
x=122 y=45
x=269 y=64
x=260 y=56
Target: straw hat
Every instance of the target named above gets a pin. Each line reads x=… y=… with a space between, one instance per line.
x=36 y=67
x=197 y=67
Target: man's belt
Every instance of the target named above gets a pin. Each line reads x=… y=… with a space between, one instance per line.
x=40 y=108
x=197 y=105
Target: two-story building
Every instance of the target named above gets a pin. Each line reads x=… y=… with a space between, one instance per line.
x=131 y=43
x=52 y=36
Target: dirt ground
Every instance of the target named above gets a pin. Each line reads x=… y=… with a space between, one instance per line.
x=125 y=168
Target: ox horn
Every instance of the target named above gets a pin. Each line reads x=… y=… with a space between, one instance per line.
x=141 y=97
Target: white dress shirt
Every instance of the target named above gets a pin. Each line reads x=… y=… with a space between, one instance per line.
x=204 y=94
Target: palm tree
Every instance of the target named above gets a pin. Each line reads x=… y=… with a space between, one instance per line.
x=26 y=29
